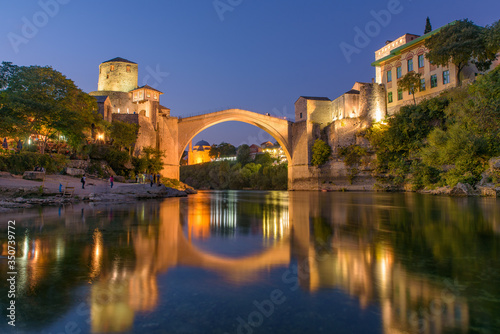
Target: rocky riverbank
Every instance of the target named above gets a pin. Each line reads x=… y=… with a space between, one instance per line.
x=17 y=193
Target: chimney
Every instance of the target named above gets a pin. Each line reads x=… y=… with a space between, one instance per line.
x=373 y=80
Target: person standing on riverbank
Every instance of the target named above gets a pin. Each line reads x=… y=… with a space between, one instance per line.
x=111 y=180
x=152 y=179
x=83 y=181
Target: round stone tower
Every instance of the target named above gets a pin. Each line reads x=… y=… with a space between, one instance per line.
x=118 y=75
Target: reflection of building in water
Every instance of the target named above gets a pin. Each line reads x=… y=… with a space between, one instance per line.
x=198 y=218
x=275 y=220
x=366 y=269
x=223 y=211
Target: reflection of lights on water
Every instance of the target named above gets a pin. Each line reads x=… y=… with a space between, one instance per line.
x=26 y=247
x=275 y=219
x=384 y=262
x=223 y=211
x=95 y=266
x=59 y=248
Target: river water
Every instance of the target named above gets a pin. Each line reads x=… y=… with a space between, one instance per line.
x=258 y=262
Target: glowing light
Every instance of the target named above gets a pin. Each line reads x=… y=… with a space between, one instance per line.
x=100 y=136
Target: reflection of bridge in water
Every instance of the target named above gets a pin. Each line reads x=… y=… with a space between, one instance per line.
x=354 y=263
x=334 y=241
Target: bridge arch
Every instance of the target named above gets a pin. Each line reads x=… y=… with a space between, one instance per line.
x=279 y=129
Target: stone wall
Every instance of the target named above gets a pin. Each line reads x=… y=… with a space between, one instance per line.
x=121 y=103
x=118 y=79
x=147 y=135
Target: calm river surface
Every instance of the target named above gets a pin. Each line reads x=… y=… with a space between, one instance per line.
x=258 y=262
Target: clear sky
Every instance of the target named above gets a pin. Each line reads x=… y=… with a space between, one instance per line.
x=206 y=55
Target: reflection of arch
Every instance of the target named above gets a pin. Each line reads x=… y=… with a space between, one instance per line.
x=279 y=128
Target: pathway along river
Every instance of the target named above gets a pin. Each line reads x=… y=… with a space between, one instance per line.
x=259 y=262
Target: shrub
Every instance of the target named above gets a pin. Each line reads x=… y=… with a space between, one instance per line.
x=18 y=163
x=321 y=153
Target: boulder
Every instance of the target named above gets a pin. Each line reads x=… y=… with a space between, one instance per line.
x=495 y=164
x=74 y=171
x=489 y=191
x=6 y=174
x=80 y=164
x=119 y=178
x=462 y=189
x=35 y=176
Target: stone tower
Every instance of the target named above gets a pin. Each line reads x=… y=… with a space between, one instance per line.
x=118 y=75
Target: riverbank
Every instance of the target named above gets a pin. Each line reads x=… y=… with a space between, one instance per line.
x=16 y=192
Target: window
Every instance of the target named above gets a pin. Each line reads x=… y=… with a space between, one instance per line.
x=107 y=76
x=446 y=77
x=128 y=68
x=389 y=76
x=118 y=110
x=156 y=96
x=434 y=81
x=389 y=97
x=421 y=61
x=398 y=72
x=410 y=91
x=400 y=94
x=149 y=94
x=112 y=68
x=300 y=115
x=410 y=65
x=422 y=85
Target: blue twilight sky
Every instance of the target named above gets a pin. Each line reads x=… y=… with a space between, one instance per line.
x=206 y=55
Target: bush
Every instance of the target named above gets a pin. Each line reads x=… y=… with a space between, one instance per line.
x=321 y=153
x=18 y=163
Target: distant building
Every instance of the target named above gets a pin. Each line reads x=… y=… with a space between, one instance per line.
x=274 y=150
x=406 y=54
x=199 y=153
x=254 y=150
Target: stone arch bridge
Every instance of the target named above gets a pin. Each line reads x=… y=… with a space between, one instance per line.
x=174 y=135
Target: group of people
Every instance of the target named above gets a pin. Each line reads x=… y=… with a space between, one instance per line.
x=152 y=178
x=39 y=169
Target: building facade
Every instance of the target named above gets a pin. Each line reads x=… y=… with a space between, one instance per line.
x=119 y=98
x=407 y=54
x=199 y=153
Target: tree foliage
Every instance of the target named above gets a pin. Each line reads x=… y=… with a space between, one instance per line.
x=243 y=156
x=321 y=153
x=222 y=150
x=460 y=42
x=493 y=37
x=443 y=140
x=124 y=134
x=428 y=26
x=409 y=82
x=41 y=101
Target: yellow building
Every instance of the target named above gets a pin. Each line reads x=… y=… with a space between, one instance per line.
x=199 y=153
x=407 y=54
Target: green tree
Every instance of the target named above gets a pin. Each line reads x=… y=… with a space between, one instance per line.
x=493 y=37
x=321 y=152
x=409 y=82
x=41 y=101
x=124 y=134
x=222 y=150
x=460 y=42
x=243 y=156
x=154 y=159
x=264 y=159
x=428 y=26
